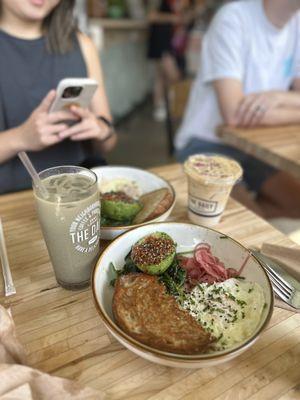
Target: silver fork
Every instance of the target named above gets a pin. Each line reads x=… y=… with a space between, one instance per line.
x=8 y=282
x=284 y=285
x=281 y=287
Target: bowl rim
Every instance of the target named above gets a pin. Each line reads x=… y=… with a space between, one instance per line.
x=129 y=227
x=186 y=358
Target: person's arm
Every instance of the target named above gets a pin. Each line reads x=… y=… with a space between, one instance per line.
x=10 y=144
x=90 y=127
x=229 y=93
x=291 y=98
x=223 y=65
x=272 y=107
x=265 y=108
x=39 y=131
x=282 y=116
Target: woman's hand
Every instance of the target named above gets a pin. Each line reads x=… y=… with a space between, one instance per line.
x=89 y=127
x=42 y=129
x=253 y=107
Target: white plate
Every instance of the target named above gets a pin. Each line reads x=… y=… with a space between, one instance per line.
x=186 y=236
x=146 y=181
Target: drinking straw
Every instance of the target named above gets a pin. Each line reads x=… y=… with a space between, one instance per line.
x=33 y=173
x=8 y=282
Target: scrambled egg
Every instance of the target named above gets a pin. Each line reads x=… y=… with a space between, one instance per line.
x=230 y=310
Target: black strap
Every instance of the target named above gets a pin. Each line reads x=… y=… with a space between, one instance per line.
x=110 y=125
x=106 y=121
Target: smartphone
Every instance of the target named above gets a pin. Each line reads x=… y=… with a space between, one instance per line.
x=74 y=91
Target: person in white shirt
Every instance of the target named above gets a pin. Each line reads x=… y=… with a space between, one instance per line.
x=249 y=75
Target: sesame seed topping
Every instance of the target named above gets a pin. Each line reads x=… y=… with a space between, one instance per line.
x=118 y=196
x=152 y=250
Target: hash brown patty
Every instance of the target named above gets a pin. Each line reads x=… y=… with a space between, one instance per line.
x=144 y=310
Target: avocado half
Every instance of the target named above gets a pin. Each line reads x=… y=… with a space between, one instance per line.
x=119 y=206
x=153 y=254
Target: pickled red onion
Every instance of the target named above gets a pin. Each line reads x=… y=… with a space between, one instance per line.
x=204 y=267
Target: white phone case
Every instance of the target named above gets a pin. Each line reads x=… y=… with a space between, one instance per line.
x=89 y=86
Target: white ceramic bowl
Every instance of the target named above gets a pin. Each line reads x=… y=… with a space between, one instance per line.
x=146 y=181
x=186 y=236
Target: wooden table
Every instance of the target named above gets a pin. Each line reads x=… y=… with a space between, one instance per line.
x=278 y=146
x=64 y=335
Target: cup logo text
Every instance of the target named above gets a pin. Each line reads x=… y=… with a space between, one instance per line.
x=202 y=207
x=85 y=229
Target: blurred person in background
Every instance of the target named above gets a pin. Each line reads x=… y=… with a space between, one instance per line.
x=249 y=75
x=39 y=46
x=169 y=23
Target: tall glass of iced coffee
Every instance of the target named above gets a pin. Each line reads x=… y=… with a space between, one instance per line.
x=210 y=181
x=70 y=221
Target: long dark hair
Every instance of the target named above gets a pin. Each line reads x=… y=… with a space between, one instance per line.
x=60 y=26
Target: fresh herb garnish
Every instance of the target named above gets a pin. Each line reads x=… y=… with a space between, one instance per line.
x=173 y=288
x=129 y=267
x=112 y=282
x=173 y=279
x=223 y=237
x=113 y=268
x=234 y=318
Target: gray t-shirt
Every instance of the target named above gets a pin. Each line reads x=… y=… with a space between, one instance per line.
x=27 y=73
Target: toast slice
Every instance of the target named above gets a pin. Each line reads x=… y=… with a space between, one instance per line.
x=154 y=204
x=143 y=309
